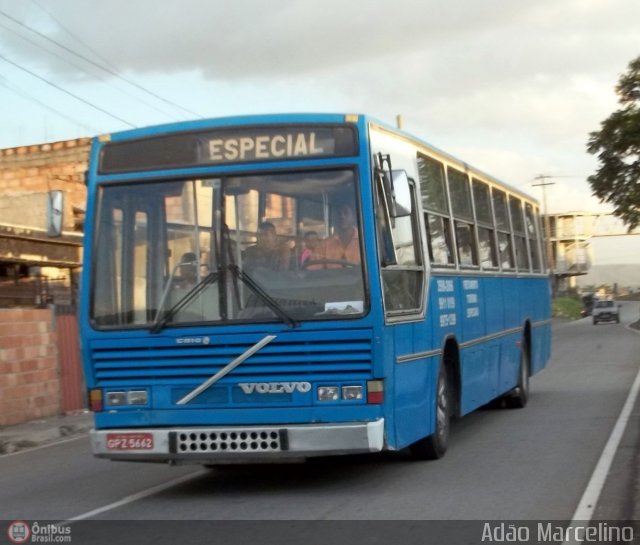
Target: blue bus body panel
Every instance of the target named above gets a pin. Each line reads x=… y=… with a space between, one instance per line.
x=485 y=316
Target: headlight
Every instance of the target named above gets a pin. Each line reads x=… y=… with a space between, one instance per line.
x=328 y=393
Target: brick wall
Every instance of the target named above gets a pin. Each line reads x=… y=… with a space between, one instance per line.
x=41 y=168
x=29 y=374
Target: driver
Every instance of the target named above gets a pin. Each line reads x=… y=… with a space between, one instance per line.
x=344 y=244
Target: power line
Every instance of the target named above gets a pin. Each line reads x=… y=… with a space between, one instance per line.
x=101 y=78
x=23 y=94
x=73 y=36
x=61 y=89
x=104 y=68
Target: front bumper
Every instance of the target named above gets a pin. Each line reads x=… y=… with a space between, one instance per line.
x=606 y=317
x=213 y=444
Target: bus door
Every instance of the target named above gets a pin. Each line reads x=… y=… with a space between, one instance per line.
x=401 y=260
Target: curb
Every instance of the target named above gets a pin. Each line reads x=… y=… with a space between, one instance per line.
x=40 y=432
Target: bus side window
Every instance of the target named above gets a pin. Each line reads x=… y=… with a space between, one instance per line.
x=439 y=239
x=486 y=230
x=462 y=212
x=403 y=280
x=534 y=239
x=519 y=235
x=437 y=220
x=467 y=255
x=505 y=248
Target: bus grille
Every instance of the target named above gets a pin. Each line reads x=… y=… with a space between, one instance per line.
x=314 y=355
x=229 y=440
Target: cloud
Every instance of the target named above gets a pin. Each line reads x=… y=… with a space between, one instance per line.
x=512 y=87
x=249 y=38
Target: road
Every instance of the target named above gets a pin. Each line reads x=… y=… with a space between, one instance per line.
x=502 y=464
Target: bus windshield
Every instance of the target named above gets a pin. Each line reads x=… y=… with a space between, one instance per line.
x=252 y=248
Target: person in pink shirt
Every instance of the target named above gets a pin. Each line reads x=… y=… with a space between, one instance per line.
x=311 y=242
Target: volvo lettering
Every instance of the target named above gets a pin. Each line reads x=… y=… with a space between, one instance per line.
x=275 y=387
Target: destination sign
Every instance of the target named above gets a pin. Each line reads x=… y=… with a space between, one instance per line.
x=226 y=146
x=245 y=148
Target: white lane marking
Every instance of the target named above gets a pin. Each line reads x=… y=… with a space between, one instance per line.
x=40 y=447
x=135 y=497
x=589 y=500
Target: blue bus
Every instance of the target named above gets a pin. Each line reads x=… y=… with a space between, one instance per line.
x=286 y=286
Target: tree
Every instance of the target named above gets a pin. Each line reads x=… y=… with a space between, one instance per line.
x=617 y=145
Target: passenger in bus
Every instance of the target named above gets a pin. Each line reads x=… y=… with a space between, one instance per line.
x=344 y=244
x=267 y=252
x=310 y=250
x=187 y=274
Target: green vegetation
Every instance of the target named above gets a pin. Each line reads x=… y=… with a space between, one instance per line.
x=617 y=146
x=567 y=307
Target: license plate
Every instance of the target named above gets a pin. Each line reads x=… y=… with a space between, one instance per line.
x=129 y=441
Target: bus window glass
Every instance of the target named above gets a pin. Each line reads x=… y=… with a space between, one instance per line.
x=517 y=221
x=483 y=203
x=487 y=249
x=460 y=196
x=252 y=222
x=432 y=184
x=108 y=278
x=465 y=240
x=141 y=249
x=521 y=253
x=500 y=208
x=532 y=233
x=439 y=239
x=280 y=210
x=505 y=250
x=484 y=217
x=515 y=207
x=403 y=281
x=461 y=207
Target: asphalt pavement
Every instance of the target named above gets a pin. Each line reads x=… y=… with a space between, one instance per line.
x=619 y=500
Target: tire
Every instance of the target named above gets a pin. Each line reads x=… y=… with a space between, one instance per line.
x=519 y=396
x=435 y=445
x=595 y=322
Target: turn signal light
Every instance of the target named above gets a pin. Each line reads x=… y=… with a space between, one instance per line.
x=375 y=392
x=95 y=400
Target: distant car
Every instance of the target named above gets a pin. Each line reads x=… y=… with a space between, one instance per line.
x=606 y=310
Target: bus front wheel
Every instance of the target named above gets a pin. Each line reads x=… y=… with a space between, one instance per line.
x=435 y=445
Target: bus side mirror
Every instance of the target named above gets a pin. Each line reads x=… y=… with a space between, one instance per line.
x=401 y=198
x=55 y=207
x=387 y=188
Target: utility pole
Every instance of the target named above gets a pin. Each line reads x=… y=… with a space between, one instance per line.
x=547 y=224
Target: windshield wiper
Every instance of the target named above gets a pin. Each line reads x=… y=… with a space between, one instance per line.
x=269 y=301
x=160 y=322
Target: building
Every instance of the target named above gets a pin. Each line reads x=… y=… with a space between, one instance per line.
x=591 y=249
x=42 y=193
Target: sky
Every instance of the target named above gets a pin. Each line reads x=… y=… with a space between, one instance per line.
x=512 y=87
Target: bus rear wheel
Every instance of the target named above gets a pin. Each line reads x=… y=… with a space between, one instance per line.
x=435 y=445
x=518 y=397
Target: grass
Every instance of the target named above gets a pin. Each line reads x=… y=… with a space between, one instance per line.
x=567 y=307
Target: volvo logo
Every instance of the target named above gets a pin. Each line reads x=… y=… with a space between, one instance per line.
x=193 y=340
x=275 y=387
